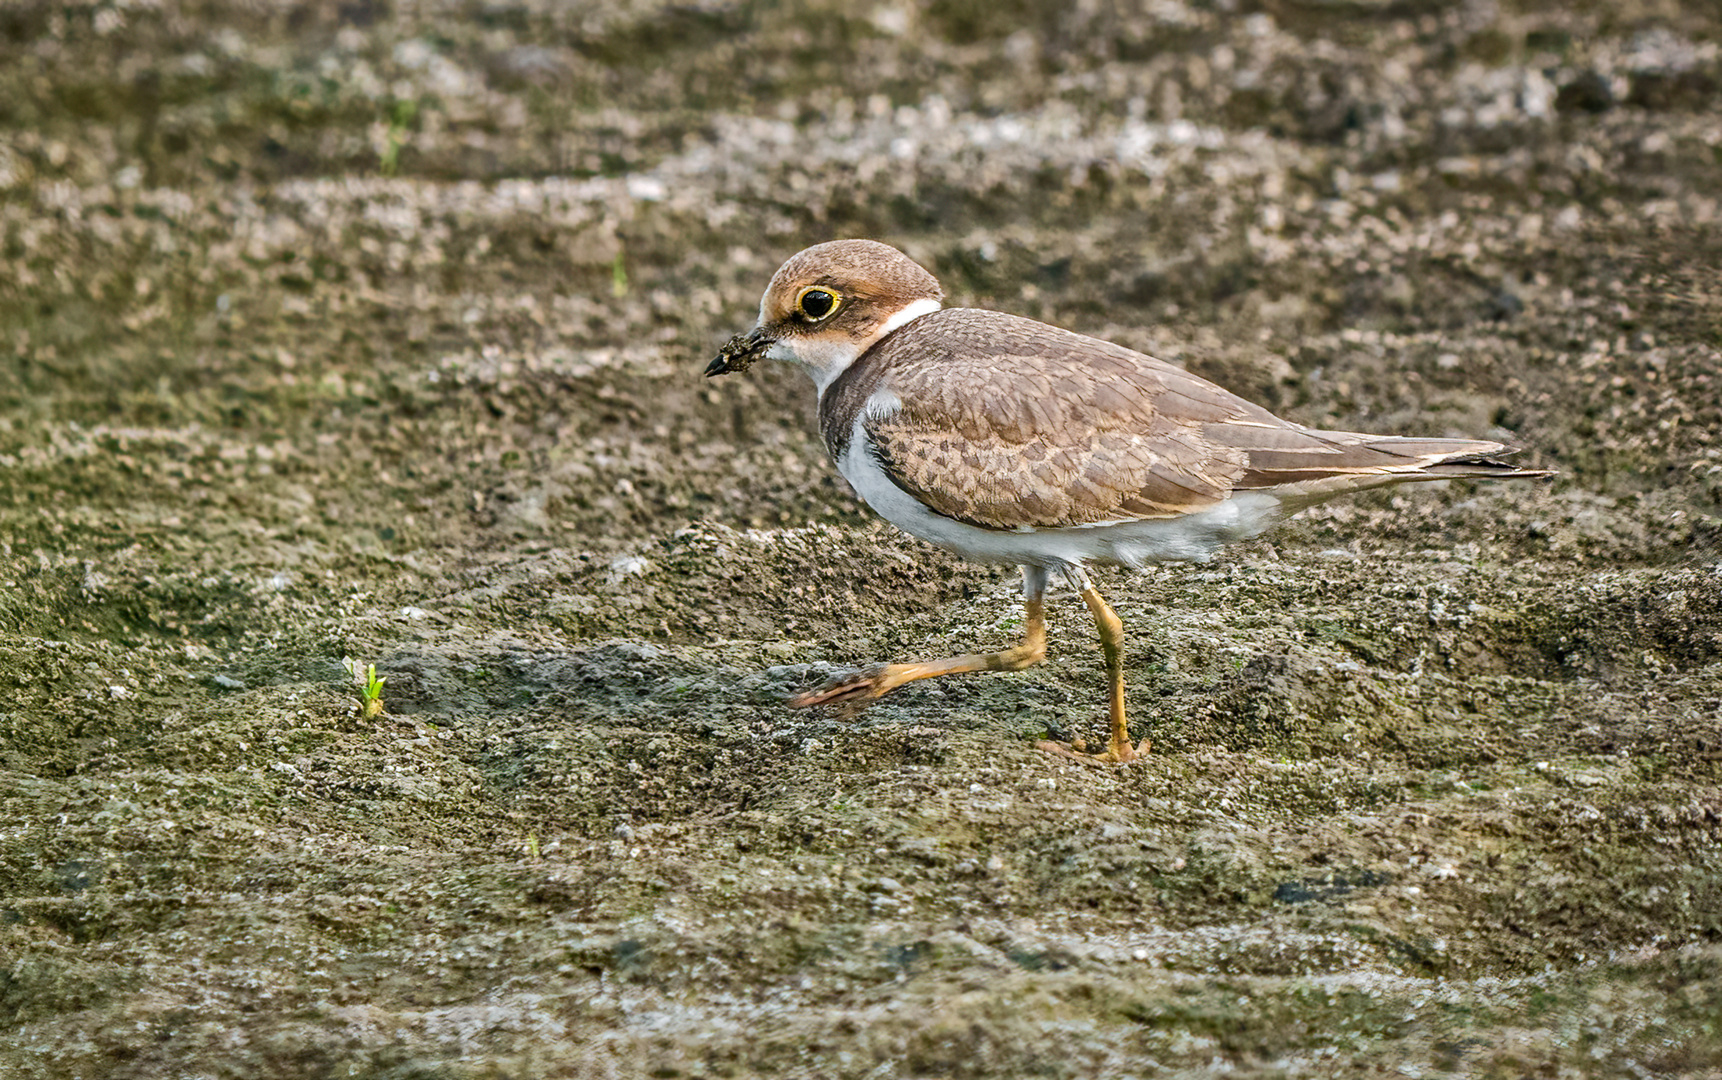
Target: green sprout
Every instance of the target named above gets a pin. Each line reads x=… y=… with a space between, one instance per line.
x=401 y=117
x=618 y=277
x=370 y=690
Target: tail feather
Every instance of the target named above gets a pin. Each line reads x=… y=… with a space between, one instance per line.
x=1331 y=462
x=1483 y=468
x=1450 y=458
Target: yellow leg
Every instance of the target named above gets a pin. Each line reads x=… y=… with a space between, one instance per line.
x=876 y=683
x=1119 y=748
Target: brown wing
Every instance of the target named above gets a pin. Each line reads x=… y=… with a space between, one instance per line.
x=1007 y=423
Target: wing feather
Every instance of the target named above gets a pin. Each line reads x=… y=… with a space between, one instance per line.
x=1007 y=423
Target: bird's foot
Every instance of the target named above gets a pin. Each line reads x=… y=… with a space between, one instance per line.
x=1119 y=752
x=857 y=689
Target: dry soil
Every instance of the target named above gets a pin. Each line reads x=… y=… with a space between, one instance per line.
x=352 y=333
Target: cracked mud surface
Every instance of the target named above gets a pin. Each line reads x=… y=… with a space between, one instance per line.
x=339 y=332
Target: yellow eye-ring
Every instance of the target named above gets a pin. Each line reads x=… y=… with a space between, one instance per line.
x=817 y=302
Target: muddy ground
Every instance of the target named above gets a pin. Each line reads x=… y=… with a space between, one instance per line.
x=371 y=333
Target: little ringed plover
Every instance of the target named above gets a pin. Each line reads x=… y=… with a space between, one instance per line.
x=1007 y=440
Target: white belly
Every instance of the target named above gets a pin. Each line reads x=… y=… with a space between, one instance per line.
x=1189 y=538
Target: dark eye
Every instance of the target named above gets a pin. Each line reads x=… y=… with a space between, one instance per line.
x=816 y=303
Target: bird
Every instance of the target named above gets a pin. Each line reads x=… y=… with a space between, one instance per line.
x=1011 y=441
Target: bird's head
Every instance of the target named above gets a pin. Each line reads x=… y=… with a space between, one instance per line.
x=828 y=304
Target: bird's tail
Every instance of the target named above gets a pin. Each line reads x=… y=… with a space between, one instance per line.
x=1445 y=459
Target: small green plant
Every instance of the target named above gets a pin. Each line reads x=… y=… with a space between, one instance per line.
x=618 y=277
x=369 y=689
x=401 y=117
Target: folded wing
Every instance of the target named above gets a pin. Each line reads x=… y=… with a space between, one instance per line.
x=1042 y=428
